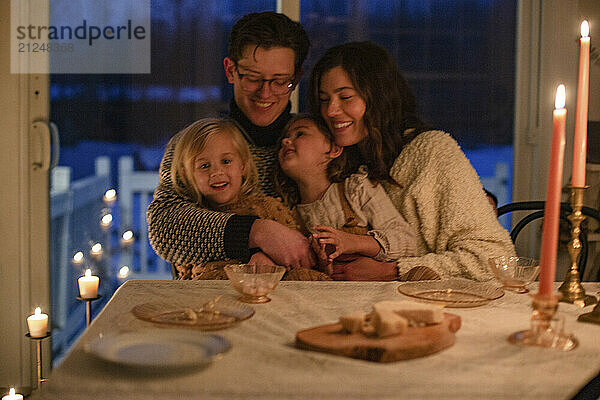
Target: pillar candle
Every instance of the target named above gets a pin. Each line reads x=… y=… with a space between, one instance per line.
x=552 y=206
x=581 y=114
x=12 y=395
x=88 y=285
x=37 y=323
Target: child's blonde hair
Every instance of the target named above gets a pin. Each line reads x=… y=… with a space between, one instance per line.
x=193 y=141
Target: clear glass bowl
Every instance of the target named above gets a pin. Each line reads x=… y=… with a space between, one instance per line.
x=515 y=273
x=254 y=282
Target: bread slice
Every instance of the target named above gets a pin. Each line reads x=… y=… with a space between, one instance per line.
x=388 y=323
x=416 y=313
x=353 y=322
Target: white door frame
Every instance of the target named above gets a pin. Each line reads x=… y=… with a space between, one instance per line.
x=24 y=222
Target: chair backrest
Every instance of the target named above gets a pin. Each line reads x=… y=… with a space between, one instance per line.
x=537 y=208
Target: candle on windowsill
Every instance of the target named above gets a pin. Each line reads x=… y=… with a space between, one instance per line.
x=88 y=285
x=581 y=114
x=12 y=395
x=37 y=324
x=552 y=206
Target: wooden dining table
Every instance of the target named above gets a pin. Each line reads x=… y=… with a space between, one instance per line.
x=264 y=362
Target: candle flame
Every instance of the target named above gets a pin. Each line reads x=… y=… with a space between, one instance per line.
x=11 y=392
x=38 y=311
x=585 y=29
x=127 y=235
x=88 y=272
x=560 y=97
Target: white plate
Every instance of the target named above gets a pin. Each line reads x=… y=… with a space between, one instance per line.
x=158 y=348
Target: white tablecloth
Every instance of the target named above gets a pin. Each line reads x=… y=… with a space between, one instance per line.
x=263 y=362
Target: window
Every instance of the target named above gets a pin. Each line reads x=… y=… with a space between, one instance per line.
x=114 y=127
x=458 y=57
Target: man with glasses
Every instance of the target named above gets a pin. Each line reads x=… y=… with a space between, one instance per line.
x=266 y=52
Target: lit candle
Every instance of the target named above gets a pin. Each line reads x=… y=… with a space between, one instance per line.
x=110 y=196
x=96 y=250
x=127 y=238
x=12 y=395
x=581 y=114
x=88 y=285
x=37 y=323
x=106 y=221
x=124 y=272
x=78 y=257
x=552 y=207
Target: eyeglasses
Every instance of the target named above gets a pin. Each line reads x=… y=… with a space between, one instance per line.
x=279 y=86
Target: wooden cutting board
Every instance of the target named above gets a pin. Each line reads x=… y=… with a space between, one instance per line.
x=416 y=342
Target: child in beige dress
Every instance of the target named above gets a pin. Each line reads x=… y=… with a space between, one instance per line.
x=351 y=219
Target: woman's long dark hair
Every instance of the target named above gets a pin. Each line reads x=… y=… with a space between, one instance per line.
x=391 y=115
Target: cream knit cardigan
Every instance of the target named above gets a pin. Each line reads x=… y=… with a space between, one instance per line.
x=440 y=195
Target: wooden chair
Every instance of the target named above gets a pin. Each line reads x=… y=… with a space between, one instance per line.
x=537 y=208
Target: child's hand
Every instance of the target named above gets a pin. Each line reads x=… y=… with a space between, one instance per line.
x=344 y=242
x=323 y=262
x=319 y=250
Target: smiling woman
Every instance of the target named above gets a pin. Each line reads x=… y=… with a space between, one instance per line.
x=358 y=89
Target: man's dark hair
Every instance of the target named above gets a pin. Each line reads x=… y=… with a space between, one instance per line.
x=268 y=29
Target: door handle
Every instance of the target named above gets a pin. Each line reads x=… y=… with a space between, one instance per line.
x=49 y=149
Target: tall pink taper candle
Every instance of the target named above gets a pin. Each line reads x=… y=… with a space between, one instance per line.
x=581 y=114
x=552 y=208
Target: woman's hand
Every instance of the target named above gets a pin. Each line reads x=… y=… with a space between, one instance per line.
x=261 y=258
x=345 y=243
x=285 y=246
x=356 y=271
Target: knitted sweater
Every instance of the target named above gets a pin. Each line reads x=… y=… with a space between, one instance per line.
x=256 y=204
x=440 y=195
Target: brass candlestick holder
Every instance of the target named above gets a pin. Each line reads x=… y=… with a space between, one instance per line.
x=38 y=347
x=88 y=307
x=546 y=330
x=571 y=289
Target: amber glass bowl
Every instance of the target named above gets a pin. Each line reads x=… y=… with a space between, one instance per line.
x=254 y=282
